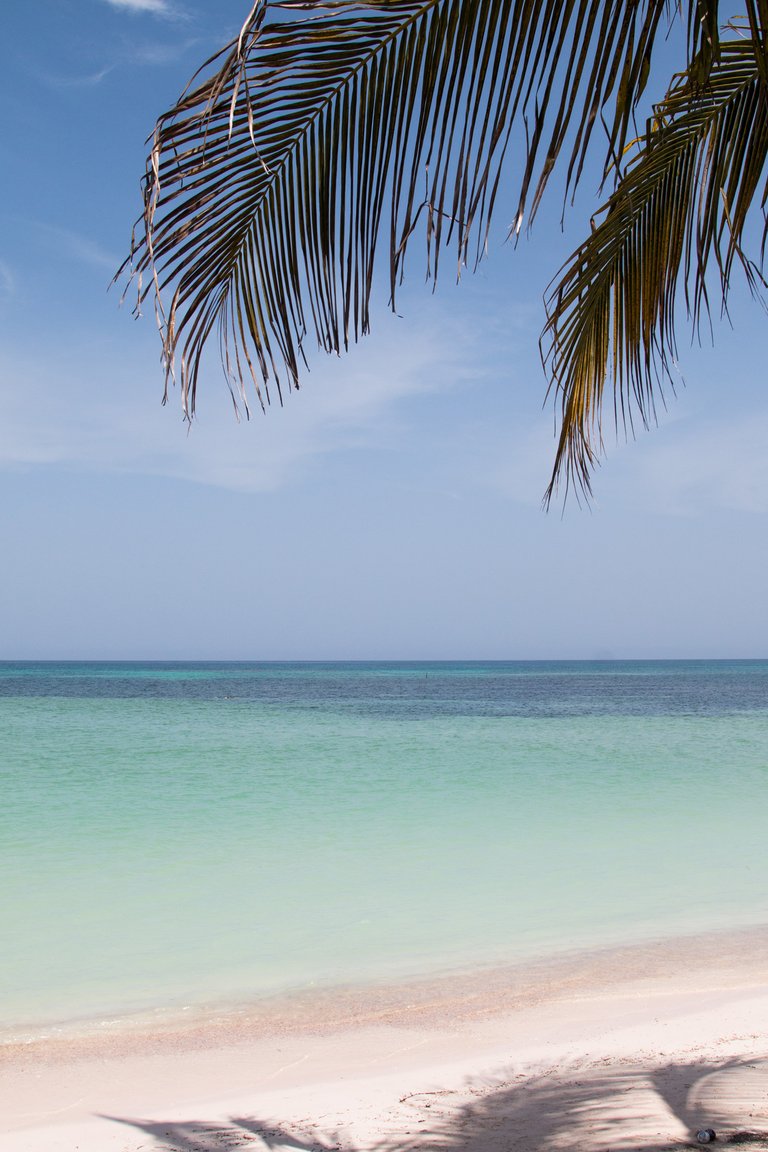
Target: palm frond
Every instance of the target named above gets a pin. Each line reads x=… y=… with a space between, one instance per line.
x=684 y=203
x=339 y=126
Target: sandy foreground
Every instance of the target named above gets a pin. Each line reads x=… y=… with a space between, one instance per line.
x=633 y=1049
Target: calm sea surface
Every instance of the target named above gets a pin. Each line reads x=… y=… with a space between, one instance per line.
x=175 y=834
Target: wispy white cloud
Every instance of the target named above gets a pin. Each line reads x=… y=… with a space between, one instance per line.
x=62 y=82
x=155 y=7
x=166 y=53
x=688 y=468
x=75 y=246
x=66 y=415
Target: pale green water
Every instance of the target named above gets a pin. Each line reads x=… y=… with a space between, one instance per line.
x=186 y=834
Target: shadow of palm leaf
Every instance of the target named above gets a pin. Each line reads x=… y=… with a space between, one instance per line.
x=204 y=1136
x=730 y=1095
x=601 y=1107
x=273 y=1136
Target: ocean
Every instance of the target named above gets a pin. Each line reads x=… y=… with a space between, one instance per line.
x=176 y=835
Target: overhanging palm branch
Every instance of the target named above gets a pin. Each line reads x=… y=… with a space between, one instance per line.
x=337 y=128
x=684 y=202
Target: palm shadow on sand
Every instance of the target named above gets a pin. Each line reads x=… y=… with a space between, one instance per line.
x=603 y=1106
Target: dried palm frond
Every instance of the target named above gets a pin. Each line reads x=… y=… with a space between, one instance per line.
x=685 y=201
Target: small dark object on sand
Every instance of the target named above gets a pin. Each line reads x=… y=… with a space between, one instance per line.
x=706 y=1135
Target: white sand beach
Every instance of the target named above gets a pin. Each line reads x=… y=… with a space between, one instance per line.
x=633 y=1049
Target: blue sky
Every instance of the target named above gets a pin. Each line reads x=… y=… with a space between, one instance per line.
x=392 y=508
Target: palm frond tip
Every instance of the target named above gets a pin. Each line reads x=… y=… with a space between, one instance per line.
x=683 y=203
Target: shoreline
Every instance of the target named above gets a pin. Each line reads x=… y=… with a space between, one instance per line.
x=466 y=992
x=622 y=1048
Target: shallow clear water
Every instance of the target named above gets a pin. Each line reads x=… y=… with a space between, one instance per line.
x=175 y=834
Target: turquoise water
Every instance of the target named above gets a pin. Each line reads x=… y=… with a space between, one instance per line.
x=190 y=834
